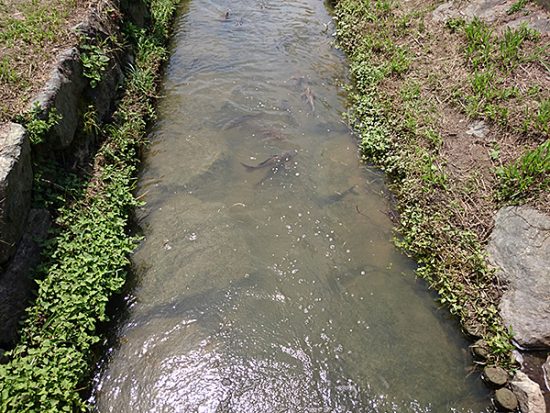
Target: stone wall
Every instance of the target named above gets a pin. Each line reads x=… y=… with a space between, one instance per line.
x=69 y=92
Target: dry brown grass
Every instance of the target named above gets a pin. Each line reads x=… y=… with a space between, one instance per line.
x=32 y=33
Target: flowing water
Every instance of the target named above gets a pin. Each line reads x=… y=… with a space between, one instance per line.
x=275 y=289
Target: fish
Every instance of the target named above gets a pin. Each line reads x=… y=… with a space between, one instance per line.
x=270 y=134
x=274 y=161
x=276 y=164
x=240 y=120
x=309 y=97
x=338 y=196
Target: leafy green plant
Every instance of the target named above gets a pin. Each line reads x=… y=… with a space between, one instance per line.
x=38 y=123
x=95 y=59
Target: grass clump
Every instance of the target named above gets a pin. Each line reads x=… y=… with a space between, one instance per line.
x=517 y=6
x=493 y=60
x=88 y=256
x=528 y=175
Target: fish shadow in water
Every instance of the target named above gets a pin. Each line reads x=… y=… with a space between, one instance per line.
x=275 y=163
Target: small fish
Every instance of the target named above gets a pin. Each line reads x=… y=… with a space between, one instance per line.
x=240 y=120
x=274 y=161
x=270 y=134
x=309 y=97
x=338 y=196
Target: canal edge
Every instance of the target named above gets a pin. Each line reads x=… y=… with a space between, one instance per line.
x=76 y=149
x=384 y=42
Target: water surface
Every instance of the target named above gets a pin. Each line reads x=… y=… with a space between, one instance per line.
x=276 y=289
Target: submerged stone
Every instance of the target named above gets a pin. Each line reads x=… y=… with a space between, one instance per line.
x=505 y=399
x=480 y=349
x=495 y=376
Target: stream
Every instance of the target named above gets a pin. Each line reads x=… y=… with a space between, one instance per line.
x=267 y=280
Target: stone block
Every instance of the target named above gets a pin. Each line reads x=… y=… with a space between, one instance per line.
x=528 y=393
x=519 y=247
x=63 y=91
x=15 y=186
x=16 y=283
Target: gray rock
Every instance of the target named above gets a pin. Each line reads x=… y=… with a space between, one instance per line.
x=528 y=393
x=535 y=21
x=64 y=93
x=519 y=247
x=517 y=358
x=136 y=10
x=16 y=282
x=98 y=25
x=495 y=376
x=487 y=10
x=546 y=372
x=505 y=399
x=15 y=186
x=477 y=129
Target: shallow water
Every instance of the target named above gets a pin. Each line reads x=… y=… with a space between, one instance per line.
x=276 y=289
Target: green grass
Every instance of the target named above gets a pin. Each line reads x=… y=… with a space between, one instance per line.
x=526 y=176
x=517 y=6
x=88 y=256
x=479 y=43
x=492 y=60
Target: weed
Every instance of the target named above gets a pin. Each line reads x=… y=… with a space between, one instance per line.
x=38 y=123
x=479 y=38
x=529 y=174
x=94 y=58
x=455 y=25
x=494 y=153
x=541 y=120
x=90 y=124
x=517 y=6
x=400 y=61
x=511 y=42
x=7 y=73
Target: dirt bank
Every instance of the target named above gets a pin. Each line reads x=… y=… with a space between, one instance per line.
x=452 y=100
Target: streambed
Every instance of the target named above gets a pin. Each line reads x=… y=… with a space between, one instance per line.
x=271 y=287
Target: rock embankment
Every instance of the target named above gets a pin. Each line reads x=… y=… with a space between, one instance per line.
x=519 y=247
x=73 y=99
